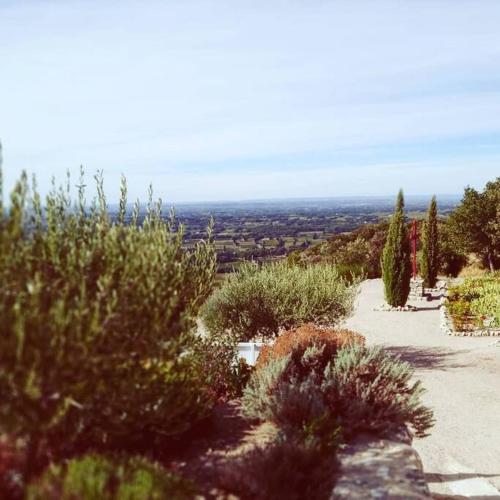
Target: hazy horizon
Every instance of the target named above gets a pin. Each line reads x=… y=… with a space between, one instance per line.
x=226 y=101
x=354 y=199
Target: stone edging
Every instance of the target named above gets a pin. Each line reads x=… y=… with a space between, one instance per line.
x=380 y=468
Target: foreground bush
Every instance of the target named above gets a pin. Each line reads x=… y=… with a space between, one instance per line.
x=259 y=301
x=96 y=318
x=96 y=477
x=372 y=391
x=361 y=389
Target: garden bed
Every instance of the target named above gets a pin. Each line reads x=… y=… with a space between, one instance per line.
x=472 y=308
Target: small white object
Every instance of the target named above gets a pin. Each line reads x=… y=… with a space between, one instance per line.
x=249 y=351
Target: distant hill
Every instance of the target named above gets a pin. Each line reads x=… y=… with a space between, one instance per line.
x=357 y=252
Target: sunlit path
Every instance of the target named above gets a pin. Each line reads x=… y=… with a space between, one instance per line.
x=462 y=378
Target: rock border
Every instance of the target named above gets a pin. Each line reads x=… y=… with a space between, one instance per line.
x=371 y=467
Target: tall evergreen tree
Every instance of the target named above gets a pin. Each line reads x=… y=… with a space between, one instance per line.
x=396 y=265
x=430 y=246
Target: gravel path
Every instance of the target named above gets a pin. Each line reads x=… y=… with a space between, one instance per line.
x=461 y=457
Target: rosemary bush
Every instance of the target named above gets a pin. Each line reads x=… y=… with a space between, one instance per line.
x=96 y=322
x=259 y=301
x=360 y=389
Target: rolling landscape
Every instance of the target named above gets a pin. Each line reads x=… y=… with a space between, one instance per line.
x=249 y=250
x=271 y=229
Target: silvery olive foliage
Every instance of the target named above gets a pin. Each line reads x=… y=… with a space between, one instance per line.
x=259 y=301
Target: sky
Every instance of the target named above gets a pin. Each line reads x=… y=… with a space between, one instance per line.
x=234 y=99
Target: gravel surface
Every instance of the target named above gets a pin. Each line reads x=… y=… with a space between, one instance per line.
x=461 y=457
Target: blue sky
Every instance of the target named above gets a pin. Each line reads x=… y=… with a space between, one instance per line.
x=228 y=100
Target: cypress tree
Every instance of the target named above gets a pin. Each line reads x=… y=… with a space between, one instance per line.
x=396 y=265
x=430 y=248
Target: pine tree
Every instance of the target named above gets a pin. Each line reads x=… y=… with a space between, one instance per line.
x=396 y=265
x=430 y=247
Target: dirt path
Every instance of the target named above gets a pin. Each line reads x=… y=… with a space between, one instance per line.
x=462 y=377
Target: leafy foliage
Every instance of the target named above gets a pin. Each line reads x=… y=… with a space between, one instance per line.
x=360 y=389
x=430 y=247
x=476 y=223
x=452 y=259
x=96 y=318
x=98 y=477
x=475 y=301
x=396 y=266
x=372 y=391
x=259 y=301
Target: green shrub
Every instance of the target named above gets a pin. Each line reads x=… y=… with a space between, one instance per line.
x=259 y=301
x=96 y=321
x=95 y=477
x=475 y=300
x=360 y=389
x=396 y=266
x=451 y=258
x=372 y=391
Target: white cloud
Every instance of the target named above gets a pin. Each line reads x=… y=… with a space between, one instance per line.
x=148 y=87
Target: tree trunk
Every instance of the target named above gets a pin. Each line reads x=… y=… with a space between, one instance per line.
x=490 y=262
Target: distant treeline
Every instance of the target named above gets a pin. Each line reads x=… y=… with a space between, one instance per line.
x=473 y=227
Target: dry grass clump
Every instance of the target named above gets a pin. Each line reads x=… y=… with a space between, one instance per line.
x=296 y=341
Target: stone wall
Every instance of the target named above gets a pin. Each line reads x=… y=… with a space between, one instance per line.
x=380 y=469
